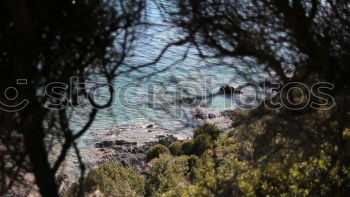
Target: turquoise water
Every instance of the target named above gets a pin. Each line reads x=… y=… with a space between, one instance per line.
x=148 y=95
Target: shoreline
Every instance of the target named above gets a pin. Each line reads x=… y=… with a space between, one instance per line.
x=128 y=143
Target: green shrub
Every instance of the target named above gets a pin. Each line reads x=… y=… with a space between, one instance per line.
x=156 y=150
x=201 y=143
x=231 y=178
x=187 y=147
x=194 y=161
x=231 y=133
x=194 y=165
x=167 y=173
x=111 y=179
x=209 y=129
x=73 y=190
x=238 y=116
x=176 y=148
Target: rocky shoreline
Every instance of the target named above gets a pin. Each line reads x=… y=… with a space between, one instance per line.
x=129 y=154
x=205 y=114
x=128 y=144
x=132 y=144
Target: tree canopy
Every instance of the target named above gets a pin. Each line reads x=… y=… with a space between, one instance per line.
x=43 y=42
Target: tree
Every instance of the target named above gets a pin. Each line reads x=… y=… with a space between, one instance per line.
x=111 y=179
x=290 y=41
x=46 y=42
x=309 y=37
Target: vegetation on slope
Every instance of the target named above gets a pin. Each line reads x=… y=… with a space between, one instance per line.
x=258 y=158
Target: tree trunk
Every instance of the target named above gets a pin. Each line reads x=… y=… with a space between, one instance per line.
x=32 y=116
x=44 y=176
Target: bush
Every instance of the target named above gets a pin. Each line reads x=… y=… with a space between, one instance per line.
x=209 y=129
x=194 y=162
x=231 y=178
x=176 y=148
x=238 y=116
x=194 y=165
x=201 y=143
x=231 y=133
x=111 y=179
x=167 y=174
x=156 y=150
x=187 y=147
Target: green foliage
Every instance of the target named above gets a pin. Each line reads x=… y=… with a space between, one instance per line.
x=194 y=165
x=73 y=190
x=226 y=167
x=295 y=174
x=231 y=178
x=203 y=140
x=238 y=116
x=167 y=174
x=194 y=162
x=187 y=146
x=156 y=150
x=209 y=129
x=201 y=143
x=222 y=138
x=231 y=133
x=113 y=179
x=176 y=148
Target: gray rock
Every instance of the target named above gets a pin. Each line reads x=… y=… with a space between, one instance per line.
x=132 y=156
x=200 y=116
x=109 y=144
x=123 y=142
x=211 y=116
x=227 y=89
x=226 y=113
x=149 y=126
x=104 y=144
